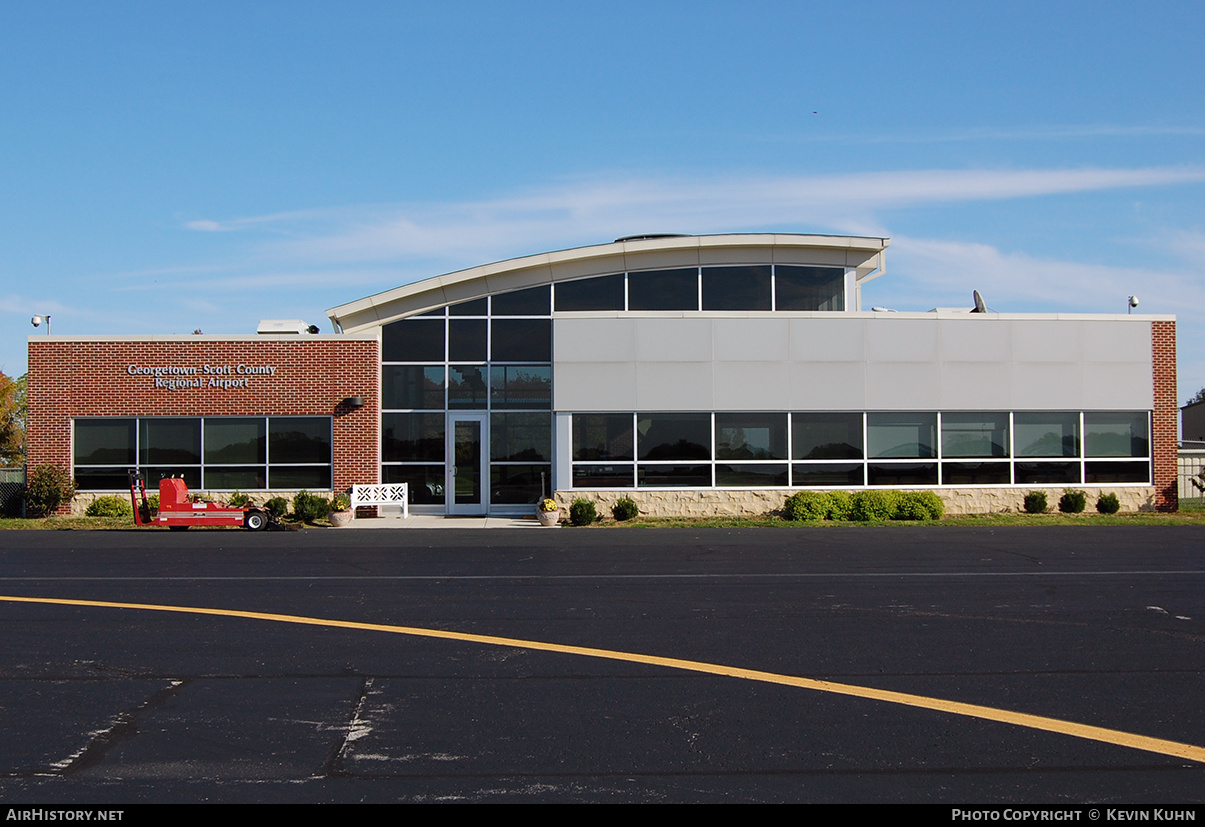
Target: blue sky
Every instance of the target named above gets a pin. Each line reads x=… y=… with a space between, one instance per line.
x=166 y=167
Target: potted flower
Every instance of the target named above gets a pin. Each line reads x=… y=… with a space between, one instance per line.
x=548 y=512
x=340 y=514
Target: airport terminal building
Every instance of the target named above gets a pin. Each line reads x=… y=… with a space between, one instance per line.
x=696 y=374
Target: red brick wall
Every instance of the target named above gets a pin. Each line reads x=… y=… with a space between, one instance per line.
x=314 y=374
x=1163 y=429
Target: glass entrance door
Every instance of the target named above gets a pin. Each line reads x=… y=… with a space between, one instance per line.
x=466 y=488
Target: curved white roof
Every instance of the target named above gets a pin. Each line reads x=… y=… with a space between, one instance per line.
x=865 y=255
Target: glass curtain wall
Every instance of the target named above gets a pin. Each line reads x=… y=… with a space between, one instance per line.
x=851 y=449
x=491 y=355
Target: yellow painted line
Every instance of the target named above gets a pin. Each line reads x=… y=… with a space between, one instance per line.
x=986 y=713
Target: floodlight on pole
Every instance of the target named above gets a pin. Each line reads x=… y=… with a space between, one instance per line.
x=37 y=320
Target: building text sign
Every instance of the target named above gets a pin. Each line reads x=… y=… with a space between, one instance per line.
x=215 y=377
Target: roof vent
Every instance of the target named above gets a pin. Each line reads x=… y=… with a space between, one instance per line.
x=651 y=237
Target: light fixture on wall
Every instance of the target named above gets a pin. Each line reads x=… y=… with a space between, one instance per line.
x=354 y=402
x=1131 y=303
x=37 y=320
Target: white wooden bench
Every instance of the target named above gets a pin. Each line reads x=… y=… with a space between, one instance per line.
x=397 y=493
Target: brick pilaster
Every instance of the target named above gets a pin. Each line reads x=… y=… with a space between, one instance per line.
x=1165 y=418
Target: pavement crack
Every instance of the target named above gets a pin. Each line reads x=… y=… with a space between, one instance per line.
x=122 y=726
x=357 y=727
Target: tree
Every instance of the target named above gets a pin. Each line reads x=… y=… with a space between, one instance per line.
x=1200 y=397
x=12 y=420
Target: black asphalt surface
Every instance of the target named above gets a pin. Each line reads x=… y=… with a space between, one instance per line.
x=1101 y=626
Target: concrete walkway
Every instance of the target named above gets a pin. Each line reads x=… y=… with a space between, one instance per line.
x=440 y=521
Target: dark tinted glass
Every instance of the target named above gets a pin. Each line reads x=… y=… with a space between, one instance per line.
x=412 y=437
x=664 y=290
x=1116 y=435
x=191 y=477
x=603 y=476
x=974 y=473
x=299 y=439
x=476 y=307
x=809 y=288
x=521 y=386
x=518 y=484
x=466 y=340
x=413 y=340
x=412 y=386
x=534 y=301
x=751 y=436
x=1053 y=473
x=674 y=436
x=827 y=473
x=521 y=437
x=300 y=476
x=235 y=441
x=901 y=473
x=736 y=288
x=974 y=435
x=826 y=436
x=674 y=475
x=1102 y=472
x=751 y=476
x=466 y=387
x=901 y=435
x=110 y=479
x=603 y=437
x=1046 y=434
x=234 y=478
x=522 y=340
x=104 y=442
x=426 y=482
x=164 y=441
x=602 y=293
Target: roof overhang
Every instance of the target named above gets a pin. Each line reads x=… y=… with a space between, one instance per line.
x=864 y=255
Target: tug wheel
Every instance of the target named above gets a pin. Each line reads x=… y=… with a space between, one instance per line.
x=255 y=520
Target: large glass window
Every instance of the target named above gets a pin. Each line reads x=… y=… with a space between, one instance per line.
x=1046 y=434
x=970 y=435
x=674 y=436
x=521 y=340
x=746 y=436
x=212 y=453
x=413 y=340
x=901 y=435
x=1116 y=434
x=521 y=386
x=533 y=301
x=826 y=436
x=601 y=293
x=412 y=387
x=605 y=437
x=737 y=288
x=412 y=437
x=809 y=288
x=664 y=290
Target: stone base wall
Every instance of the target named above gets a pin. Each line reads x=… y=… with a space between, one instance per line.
x=768 y=502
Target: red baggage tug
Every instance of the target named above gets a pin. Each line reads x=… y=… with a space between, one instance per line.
x=178 y=512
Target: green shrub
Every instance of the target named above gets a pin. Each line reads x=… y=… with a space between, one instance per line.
x=919 y=505
x=806 y=505
x=152 y=503
x=238 y=499
x=582 y=512
x=277 y=507
x=1035 y=502
x=310 y=507
x=111 y=506
x=625 y=508
x=1072 y=501
x=48 y=487
x=1108 y=504
x=840 y=504
x=873 y=505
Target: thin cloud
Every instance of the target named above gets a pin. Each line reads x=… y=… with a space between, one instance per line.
x=592 y=210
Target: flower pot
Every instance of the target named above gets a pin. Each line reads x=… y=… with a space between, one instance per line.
x=549 y=518
x=339 y=518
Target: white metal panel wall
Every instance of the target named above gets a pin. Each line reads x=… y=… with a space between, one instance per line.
x=881 y=362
